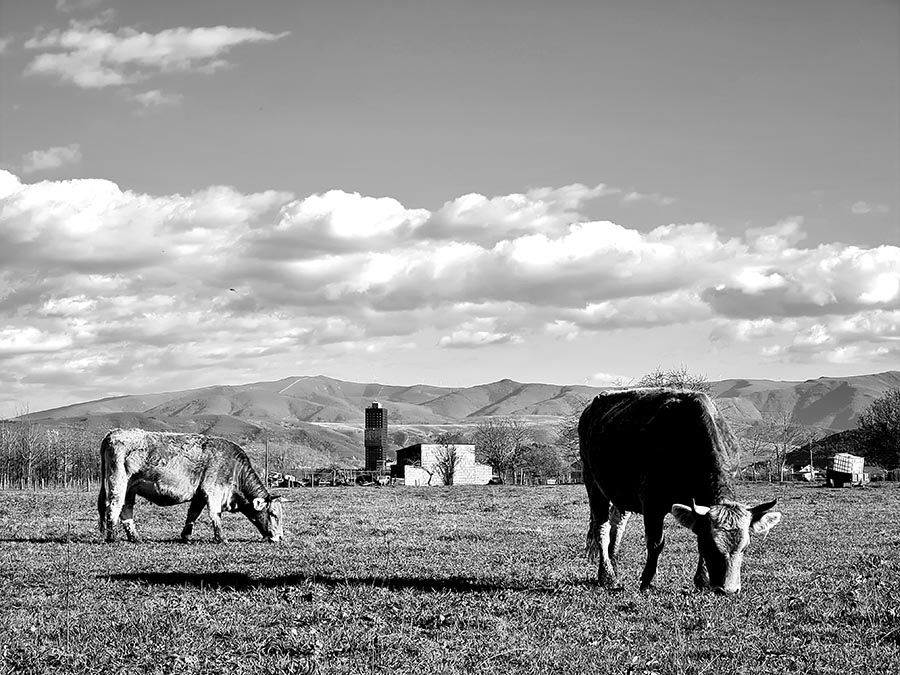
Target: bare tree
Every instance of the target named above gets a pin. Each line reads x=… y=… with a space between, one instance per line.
x=499 y=442
x=447 y=459
x=543 y=460
x=780 y=434
x=28 y=452
x=678 y=378
x=567 y=437
x=567 y=433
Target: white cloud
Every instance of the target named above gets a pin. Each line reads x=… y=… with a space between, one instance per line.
x=27 y=340
x=154 y=98
x=76 y=5
x=51 y=158
x=862 y=208
x=337 y=221
x=4 y=43
x=78 y=225
x=610 y=380
x=488 y=220
x=830 y=279
x=872 y=335
x=145 y=281
x=651 y=310
x=783 y=235
x=92 y=58
x=471 y=339
x=746 y=330
x=653 y=197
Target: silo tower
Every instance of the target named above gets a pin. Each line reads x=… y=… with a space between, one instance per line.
x=375 y=436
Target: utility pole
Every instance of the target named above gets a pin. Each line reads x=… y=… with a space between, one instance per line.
x=812 y=468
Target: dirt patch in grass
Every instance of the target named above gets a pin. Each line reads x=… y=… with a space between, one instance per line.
x=452 y=580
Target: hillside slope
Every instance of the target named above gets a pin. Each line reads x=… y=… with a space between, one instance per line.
x=330 y=412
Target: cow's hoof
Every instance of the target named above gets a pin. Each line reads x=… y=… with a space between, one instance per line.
x=646 y=588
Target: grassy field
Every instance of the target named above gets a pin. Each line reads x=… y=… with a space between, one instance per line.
x=443 y=580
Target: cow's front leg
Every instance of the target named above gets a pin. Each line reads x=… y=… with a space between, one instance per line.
x=653 y=531
x=701 y=577
x=215 y=515
x=128 y=516
x=194 y=510
x=115 y=501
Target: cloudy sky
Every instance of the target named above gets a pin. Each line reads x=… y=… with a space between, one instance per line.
x=217 y=191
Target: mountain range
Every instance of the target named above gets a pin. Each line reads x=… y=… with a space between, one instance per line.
x=326 y=414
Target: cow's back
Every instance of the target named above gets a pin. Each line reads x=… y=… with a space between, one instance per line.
x=166 y=468
x=656 y=447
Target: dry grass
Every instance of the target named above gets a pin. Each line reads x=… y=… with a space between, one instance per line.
x=449 y=580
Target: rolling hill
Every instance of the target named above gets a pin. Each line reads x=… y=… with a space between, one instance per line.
x=326 y=414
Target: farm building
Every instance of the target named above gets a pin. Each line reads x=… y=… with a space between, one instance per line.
x=421 y=464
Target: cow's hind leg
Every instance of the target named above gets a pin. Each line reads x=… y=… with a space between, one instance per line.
x=653 y=531
x=128 y=516
x=101 y=505
x=194 y=511
x=598 y=541
x=618 y=521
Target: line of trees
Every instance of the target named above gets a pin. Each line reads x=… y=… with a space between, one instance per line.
x=32 y=456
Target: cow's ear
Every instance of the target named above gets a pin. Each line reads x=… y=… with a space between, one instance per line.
x=259 y=503
x=760 y=509
x=762 y=523
x=275 y=498
x=685 y=515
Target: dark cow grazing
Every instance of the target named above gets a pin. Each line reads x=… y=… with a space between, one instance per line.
x=168 y=469
x=660 y=451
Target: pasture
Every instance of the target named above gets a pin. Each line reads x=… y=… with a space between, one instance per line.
x=443 y=580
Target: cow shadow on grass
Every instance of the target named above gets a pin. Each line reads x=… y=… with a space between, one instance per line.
x=240 y=582
x=49 y=539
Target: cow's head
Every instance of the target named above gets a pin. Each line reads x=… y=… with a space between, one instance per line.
x=268 y=516
x=723 y=532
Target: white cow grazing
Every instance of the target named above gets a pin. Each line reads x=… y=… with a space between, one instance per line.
x=168 y=469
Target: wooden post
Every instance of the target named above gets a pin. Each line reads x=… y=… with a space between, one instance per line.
x=266 y=479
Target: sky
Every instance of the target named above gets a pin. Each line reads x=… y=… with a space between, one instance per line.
x=218 y=192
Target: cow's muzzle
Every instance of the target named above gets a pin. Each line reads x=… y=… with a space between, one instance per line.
x=275 y=539
x=721 y=590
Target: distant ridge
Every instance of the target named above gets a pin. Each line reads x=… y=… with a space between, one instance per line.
x=323 y=417
x=827 y=402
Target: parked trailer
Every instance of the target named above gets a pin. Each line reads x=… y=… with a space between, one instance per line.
x=846 y=469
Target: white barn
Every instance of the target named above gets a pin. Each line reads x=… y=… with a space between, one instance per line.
x=417 y=465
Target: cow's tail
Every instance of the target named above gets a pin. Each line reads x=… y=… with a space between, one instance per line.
x=101 y=496
x=592 y=542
